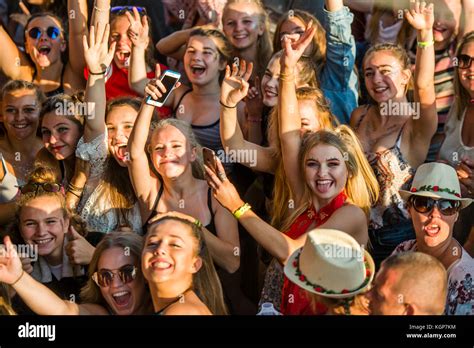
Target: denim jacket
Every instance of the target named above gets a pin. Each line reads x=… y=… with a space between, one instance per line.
x=337 y=77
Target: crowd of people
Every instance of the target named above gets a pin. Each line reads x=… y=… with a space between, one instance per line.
x=309 y=161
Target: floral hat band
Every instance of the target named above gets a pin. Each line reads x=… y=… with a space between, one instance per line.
x=436 y=180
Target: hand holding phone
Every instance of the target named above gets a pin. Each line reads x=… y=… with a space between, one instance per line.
x=169 y=79
x=209 y=157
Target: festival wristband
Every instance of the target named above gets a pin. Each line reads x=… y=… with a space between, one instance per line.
x=425 y=44
x=241 y=211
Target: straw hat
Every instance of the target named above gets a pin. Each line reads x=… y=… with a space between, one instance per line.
x=331 y=264
x=437 y=180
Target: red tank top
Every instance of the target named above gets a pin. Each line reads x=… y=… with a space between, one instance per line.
x=294 y=299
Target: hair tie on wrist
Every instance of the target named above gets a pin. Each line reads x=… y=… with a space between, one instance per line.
x=16 y=281
x=227 y=106
x=100 y=73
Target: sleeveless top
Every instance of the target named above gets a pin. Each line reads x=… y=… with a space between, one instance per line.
x=453 y=142
x=211 y=227
x=9 y=185
x=393 y=173
x=294 y=299
x=208 y=136
x=60 y=89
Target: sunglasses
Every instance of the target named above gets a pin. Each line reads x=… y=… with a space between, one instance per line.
x=464 y=61
x=52 y=32
x=35 y=187
x=426 y=205
x=121 y=9
x=104 y=277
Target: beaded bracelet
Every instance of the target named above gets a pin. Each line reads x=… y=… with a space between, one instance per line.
x=242 y=210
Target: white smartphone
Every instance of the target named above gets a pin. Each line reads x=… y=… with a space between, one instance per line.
x=169 y=80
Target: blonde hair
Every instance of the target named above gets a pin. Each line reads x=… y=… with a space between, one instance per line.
x=461 y=96
x=186 y=130
x=281 y=190
x=318 y=51
x=5 y=304
x=264 y=43
x=206 y=282
x=90 y=293
x=362 y=188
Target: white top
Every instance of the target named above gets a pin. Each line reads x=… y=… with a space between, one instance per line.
x=453 y=149
x=94 y=206
x=460 y=300
x=385 y=34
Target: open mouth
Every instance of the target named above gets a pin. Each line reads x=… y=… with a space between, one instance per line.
x=323 y=186
x=121 y=152
x=270 y=93
x=20 y=125
x=197 y=70
x=380 y=90
x=44 y=50
x=57 y=148
x=240 y=36
x=160 y=265
x=123 y=56
x=122 y=298
x=439 y=29
x=432 y=230
x=43 y=241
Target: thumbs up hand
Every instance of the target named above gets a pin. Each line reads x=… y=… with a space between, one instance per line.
x=78 y=249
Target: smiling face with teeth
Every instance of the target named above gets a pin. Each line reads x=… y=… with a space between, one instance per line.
x=123 y=299
x=44 y=51
x=466 y=76
x=202 y=62
x=21 y=113
x=433 y=229
x=60 y=135
x=385 y=78
x=170 y=257
x=242 y=24
x=43 y=222
x=325 y=172
x=120 y=121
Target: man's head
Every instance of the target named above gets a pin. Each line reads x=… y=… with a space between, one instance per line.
x=410 y=283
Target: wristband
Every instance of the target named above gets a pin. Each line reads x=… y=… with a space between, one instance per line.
x=198 y=223
x=101 y=73
x=242 y=210
x=227 y=106
x=425 y=44
x=16 y=281
x=101 y=9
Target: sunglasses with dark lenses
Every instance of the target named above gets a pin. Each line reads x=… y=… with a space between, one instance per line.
x=36 y=187
x=53 y=33
x=464 y=61
x=104 y=277
x=426 y=205
x=122 y=9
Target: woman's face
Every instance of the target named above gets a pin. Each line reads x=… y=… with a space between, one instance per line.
x=308 y=114
x=120 y=121
x=170 y=253
x=47 y=43
x=43 y=224
x=118 y=33
x=270 y=84
x=325 y=172
x=122 y=298
x=466 y=76
x=242 y=25
x=385 y=78
x=446 y=22
x=170 y=152
x=21 y=111
x=201 y=60
x=433 y=228
x=60 y=135
x=293 y=28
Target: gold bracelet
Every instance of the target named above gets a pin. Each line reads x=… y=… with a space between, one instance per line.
x=290 y=77
x=16 y=281
x=242 y=210
x=101 y=9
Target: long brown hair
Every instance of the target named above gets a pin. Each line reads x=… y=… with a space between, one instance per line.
x=461 y=96
x=206 y=282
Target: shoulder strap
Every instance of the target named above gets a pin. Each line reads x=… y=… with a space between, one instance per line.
x=209 y=203
x=362 y=117
x=179 y=101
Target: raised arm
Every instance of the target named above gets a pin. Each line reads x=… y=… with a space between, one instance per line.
x=234 y=88
x=37 y=296
x=468 y=24
x=365 y=6
x=174 y=45
x=77 y=13
x=288 y=111
x=98 y=57
x=100 y=12
x=138 y=34
x=13 y=63
x=421 y=17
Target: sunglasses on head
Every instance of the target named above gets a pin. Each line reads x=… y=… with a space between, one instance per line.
x=464 y=61
x=120 y=9
x=104 y=277
x=36 y=187
x=426 y=205
x=52 y=32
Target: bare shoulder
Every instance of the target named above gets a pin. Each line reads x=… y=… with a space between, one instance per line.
x=92 y=309
x=356 y=115
x=190 y=304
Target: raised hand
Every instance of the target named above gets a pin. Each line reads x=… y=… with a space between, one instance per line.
x=293 y=50
x=420 y=16
x=235 y=85
x=78 y=249
x=10 y=265
x=97 y=54
x=138 y=31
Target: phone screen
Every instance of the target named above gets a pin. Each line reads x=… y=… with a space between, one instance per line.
x=169 y=82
